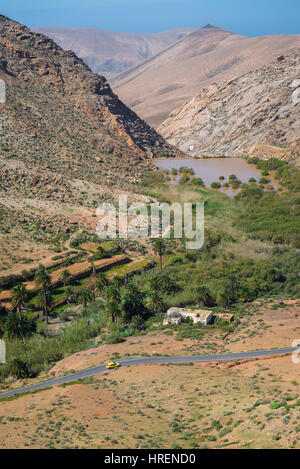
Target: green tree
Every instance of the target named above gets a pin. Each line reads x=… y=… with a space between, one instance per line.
x=155 y=302
x=133 y=302
x=113 y=309
x=43 y=299
x=112 y=294
x=203 y=295
x=118 y=281
x=43 y=280
x=19 y=298
x=137 y=322
x=159 y=247
x=224 y=298
x=3 y=316
x=232 y=284
x=164 y=283
x=18 y=368
x=65 y=277
x=69 y=294
x=84 y=297
x=102 y=283
x=16 y=328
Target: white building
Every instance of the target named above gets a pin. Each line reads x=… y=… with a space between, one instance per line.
x=197 y=315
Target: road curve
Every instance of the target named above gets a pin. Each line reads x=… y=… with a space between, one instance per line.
x=149 y=360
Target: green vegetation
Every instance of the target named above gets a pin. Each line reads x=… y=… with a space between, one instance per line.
x=215 y=185
x=250 y=251
x=185 y=170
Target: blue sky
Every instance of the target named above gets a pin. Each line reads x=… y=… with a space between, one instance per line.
x=247 y=17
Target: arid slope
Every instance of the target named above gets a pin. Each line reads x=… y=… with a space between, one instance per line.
x=209 y=55
x=66 y=140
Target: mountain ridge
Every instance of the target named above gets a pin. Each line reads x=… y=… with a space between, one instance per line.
x=111 y=52
x=210 y=54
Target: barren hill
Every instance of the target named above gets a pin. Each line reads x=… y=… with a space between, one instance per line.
x=111 y=52
x=256 y=114
x=208 y=55
x=66 y=141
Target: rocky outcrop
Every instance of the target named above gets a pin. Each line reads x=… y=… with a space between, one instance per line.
x=257 y=114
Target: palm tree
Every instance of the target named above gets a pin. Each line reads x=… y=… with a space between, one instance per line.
x=112 y=294
x=233 y=286
x=84 y=297
x=155 y=302
x=113 y=301
x=19 y=298
x=40 y=300
x=113 y=309
x=224 y=298
x=118 y=281
x=65 y=277
x=102 y=280
x=68 y=293
x=101 y=283
x=160 y=249
x=137 y=323
x=203 y=294
x=43 y=280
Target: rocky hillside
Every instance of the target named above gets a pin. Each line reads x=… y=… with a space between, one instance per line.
x=208 y=55
x=65 y=137
x=112 y=52
x=257 y=114
x=61 y=118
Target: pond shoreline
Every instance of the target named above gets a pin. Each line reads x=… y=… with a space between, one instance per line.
x=227 y=172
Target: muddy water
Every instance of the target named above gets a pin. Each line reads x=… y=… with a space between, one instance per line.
x=211 y=169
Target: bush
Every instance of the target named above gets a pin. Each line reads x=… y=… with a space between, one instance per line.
x=197 y=182
x=215 y=185
x=184 y=179
x=18 y=369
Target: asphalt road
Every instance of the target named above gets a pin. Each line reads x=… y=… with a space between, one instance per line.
x=149 y=360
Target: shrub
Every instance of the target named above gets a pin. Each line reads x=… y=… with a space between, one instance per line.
x=197 y=182
x=18 y=368
x=184 y=179
x=215 y=185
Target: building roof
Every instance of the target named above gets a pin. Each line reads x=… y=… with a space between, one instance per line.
x=197 y=313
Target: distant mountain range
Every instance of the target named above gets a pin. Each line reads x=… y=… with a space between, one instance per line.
x=257 y=114
x=209 y=55
x=111 y=52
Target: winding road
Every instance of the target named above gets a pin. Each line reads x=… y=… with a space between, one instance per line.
x=149 y=360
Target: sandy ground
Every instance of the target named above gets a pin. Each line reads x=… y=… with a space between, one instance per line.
x=160 y=406
x=249 y=404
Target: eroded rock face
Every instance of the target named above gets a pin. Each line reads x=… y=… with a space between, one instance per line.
x=296 y=96
x=258 y=113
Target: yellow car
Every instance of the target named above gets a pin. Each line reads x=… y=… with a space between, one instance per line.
x=112 y=365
